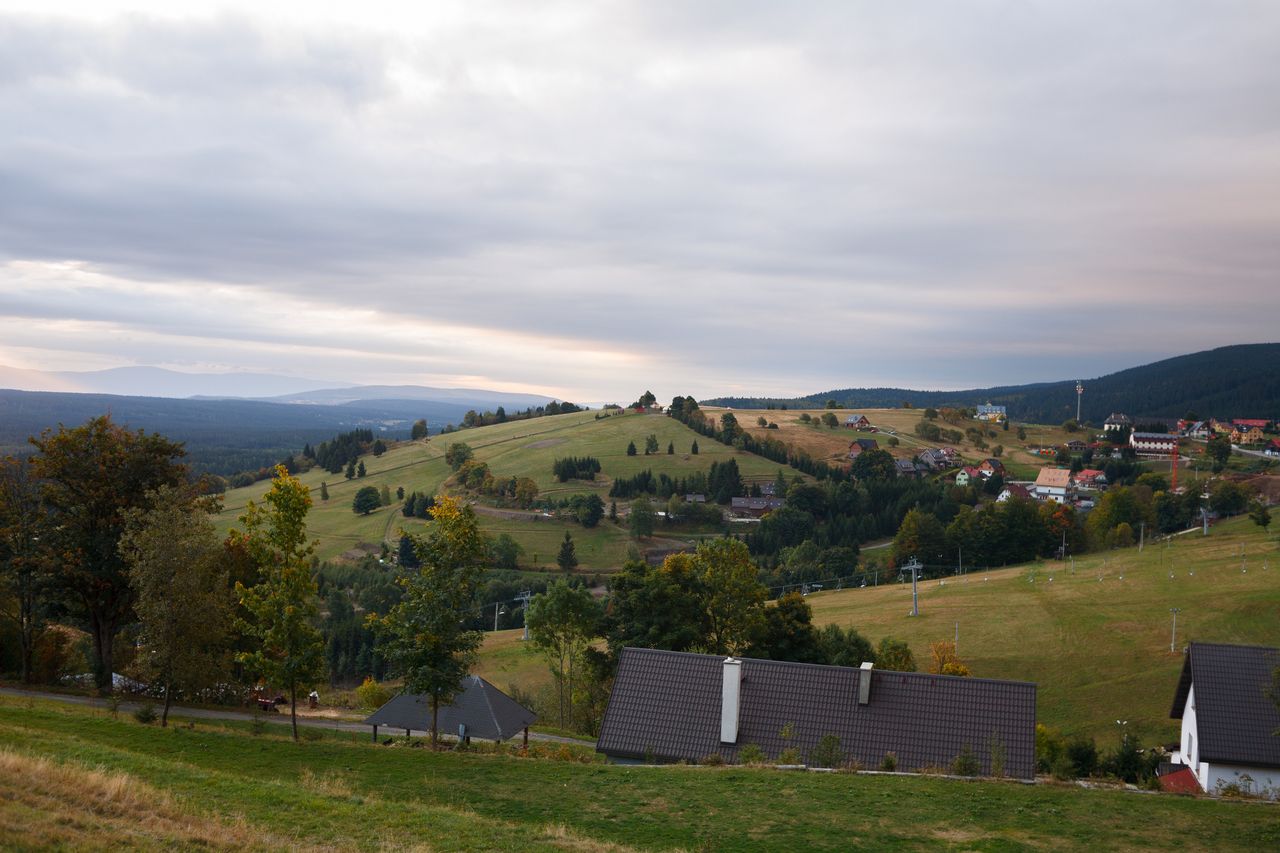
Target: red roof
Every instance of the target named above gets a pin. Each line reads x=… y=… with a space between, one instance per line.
x=1250 y=422
x=1180 y=782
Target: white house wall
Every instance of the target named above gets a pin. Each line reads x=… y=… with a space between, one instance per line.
x=1260 y=781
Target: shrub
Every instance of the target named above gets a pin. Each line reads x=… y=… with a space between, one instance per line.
x=1062 y=768
x=371 y=695
x=713 y=759
x=1083 y=755
x=145 y=714
x=997 y=756
x=827 y=753
x=965 y=764
x=751 y=754
x=889 y=763
x=310 y=733
x=790 y=755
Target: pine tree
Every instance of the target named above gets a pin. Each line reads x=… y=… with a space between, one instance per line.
x=613 y=510
x=671 y=448
x=351 y=469
x=567 y=559
x=324 y=491
x=399 y=493
x=360 y=471
x=631 y=448
x=694 y=450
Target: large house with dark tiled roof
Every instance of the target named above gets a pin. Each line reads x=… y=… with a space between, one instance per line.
x=677 y=706
x=1229 y=722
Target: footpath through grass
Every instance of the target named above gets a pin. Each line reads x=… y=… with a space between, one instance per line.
x=152 y=787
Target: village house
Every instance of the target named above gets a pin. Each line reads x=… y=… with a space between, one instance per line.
x=1153 y=443
x=1054 y=484
x=1075 y=445
x=1117 y=421
x=1011 y=491
x=679 y=706
x=1199 y=430
x=479 y=710
x=990 y=467
x=1272 y=448
x=968 y=475
x=933 y=459
x=1248 y=423
x=1247 y=435
x=694 y=498
x=860 y=445
x=858 y=422
x=1090 y=478
x=755 y=507
x=1228 y=719
x=906 y=468
x=990 y=413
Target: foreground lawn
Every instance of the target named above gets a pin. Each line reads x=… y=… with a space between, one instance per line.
x=76 y=778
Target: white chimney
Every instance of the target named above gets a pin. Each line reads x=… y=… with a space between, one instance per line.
x=730 y=692
x=864 y=682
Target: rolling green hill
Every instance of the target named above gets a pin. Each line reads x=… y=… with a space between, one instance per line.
x=1096 y=640
x=521 y=449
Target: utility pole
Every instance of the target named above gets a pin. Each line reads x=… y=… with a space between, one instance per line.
x=1142 y=535
x=1079 y=397
x=960 y=557
x=498 y=610
x=915 y=567
x=1173 y=638
x=524 y=598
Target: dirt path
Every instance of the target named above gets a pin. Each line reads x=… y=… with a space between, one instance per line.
x=334 y=724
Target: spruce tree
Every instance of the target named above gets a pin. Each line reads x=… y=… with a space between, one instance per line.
x=360 y=471
x=671 y=448
x=351 y=469
x=631 y=448
x=324 y=491
x=567 y=559
x=694 y=450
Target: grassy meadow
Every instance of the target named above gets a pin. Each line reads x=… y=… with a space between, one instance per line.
x=520 y=449
x=73 y=778
x=832 y=445
x=1096 y=640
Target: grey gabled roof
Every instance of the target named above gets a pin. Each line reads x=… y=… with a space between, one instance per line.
x=486 y=711
x=1236 y=720
x=666 y=706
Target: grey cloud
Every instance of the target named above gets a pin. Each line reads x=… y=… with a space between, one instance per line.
x=689 y=178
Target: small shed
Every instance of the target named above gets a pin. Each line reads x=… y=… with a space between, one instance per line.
x=479 y=710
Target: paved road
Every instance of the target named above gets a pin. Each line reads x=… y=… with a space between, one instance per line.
x=128 y=706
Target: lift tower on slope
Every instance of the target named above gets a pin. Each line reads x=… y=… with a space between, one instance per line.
x=1079 y=397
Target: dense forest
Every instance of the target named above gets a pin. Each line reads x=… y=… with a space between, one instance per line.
x=1235 y=381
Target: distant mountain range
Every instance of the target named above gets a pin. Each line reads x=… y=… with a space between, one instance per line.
x=1233 y=381
x=224 y=431
x=157 y=382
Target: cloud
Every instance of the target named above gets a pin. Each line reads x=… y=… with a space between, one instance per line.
x=736 y=196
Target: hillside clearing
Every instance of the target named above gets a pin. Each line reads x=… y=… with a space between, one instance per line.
x=1096 y=640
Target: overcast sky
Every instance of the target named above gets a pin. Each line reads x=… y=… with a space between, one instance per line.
x=588 y=199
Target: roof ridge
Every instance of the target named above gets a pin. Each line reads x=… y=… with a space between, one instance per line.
x=853 y=669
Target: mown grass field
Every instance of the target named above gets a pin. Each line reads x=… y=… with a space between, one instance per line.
x=77 y=779
x=520 y=449
x=1096 y=640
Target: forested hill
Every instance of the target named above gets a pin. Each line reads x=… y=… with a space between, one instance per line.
x=1234 y=381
